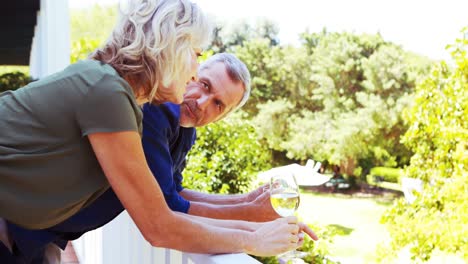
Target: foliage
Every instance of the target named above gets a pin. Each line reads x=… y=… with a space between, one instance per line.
x=317 y=252
x=7 y=69
x=226 y=157
x=13 y=81
x=277 y=73
x=95 y=22
x=86 y=36
x=82 y=48
x=262 y=62
x=345 y=95
x=438 y=134
x=278 y=113
x=387 y=174
x=228 y=36
x=336 y=98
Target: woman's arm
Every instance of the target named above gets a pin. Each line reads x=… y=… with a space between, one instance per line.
x=121 y=157
x=234 y=224
x=245 y=225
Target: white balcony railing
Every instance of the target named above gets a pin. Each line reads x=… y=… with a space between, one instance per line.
x=50 y=50
x=120 y=242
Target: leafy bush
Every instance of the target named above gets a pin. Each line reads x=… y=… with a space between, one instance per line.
x=82 y=48
x=387 y=174
x=317 y=252
x=226 y=157
x=438 y=135
x=13 y=81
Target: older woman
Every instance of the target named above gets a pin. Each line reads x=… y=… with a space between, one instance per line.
x=67 y=138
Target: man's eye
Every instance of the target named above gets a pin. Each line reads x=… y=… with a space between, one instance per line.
x=206 y=86
x=219 y=105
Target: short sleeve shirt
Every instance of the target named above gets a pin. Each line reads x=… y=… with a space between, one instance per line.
x=48 y=169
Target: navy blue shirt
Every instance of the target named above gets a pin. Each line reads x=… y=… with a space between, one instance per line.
x=166 y=145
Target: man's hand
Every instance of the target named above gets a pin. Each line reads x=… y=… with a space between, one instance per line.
x=262 y=206
x=251 y=196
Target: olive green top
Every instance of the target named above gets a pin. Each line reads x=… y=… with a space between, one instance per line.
x=48 y=170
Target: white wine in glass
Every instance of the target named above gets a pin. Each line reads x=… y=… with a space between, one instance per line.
x=285 y=199
x=285 y=204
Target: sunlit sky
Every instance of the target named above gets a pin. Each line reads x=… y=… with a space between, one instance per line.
x=421 y=26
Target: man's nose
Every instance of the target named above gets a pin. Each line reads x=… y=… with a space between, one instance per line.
x=203 y=101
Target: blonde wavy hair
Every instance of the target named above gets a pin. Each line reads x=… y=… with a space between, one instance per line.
x=152 y=44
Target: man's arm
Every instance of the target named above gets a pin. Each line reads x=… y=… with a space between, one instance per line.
x=224 y=199
x=158 y=136
x=165 y=154
x=194 y=196
x=254 y=206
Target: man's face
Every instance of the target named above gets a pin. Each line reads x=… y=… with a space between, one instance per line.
x=210 y=98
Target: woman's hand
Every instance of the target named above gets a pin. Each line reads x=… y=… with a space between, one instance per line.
x=275 y=237
x=279 y=236
x=303 y=228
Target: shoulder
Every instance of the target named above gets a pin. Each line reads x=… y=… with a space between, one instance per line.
x=93 y=72
x=161 y=119
x=162 y=116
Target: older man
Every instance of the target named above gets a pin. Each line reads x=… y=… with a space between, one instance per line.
x=223 y=85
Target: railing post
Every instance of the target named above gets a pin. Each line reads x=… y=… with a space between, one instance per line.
x=50 y=51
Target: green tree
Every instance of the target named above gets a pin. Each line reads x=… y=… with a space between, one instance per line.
x=82 y=48
x=89 y=29
x=227 y=36
x=345 y=94
x=95 y=22
x=277 y=73
x=438 y=134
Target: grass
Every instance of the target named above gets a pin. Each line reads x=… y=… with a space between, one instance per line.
x=355 y=219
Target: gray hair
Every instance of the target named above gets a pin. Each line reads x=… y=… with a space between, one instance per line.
x=152 y=44
x=236 y=70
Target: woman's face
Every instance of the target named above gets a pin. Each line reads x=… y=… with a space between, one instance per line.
x=177 y=87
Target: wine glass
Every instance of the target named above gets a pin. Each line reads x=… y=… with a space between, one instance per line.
x=284 y=197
